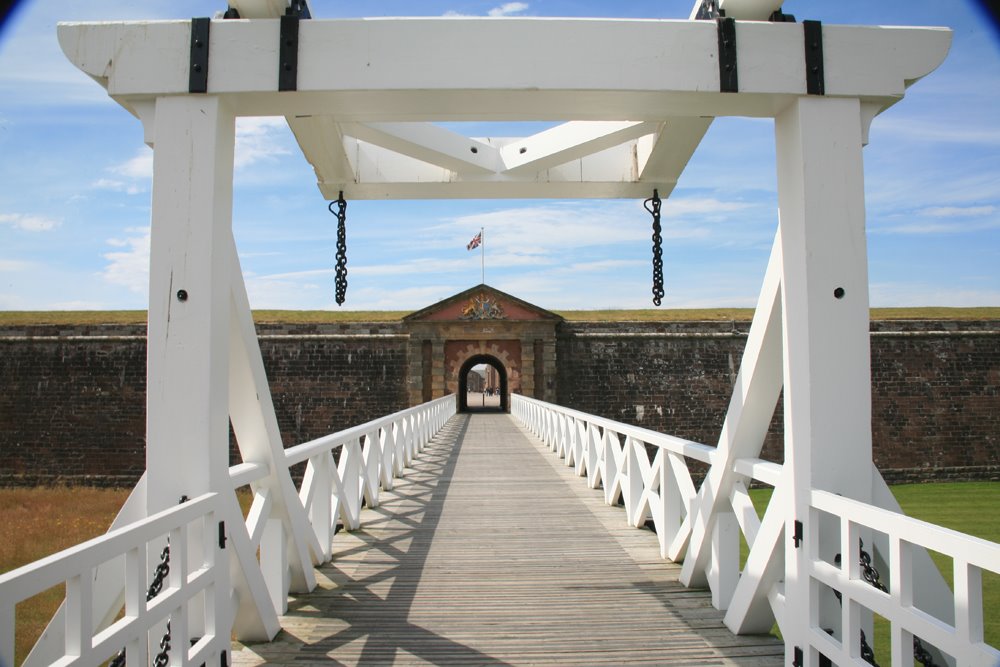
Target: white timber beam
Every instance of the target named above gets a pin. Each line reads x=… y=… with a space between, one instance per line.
x=187 y=417
x=404 y=69
x=824 y=290
x=671 y=149
x=255 y=426
x=751 y=407
x=325 y=147
x=569 y=141
x=389 y=73
x=381 y=173
x=429 y=143
x=188 y=354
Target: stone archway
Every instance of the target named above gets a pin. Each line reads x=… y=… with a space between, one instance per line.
x=463 y=374
x=482 y=320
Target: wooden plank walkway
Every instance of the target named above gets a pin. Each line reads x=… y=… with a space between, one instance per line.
x=491 y=552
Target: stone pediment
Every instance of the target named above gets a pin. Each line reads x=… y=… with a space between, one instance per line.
x=482 y=303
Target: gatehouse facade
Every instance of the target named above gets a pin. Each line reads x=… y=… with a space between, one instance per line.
x=481 y=325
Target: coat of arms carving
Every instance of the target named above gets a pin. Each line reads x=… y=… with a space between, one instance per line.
x=483 y=308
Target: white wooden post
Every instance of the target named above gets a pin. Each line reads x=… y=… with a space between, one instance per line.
x=827 y=383
x=187 y=350
x=751 y=408
x=724 y=570
x=274 y=564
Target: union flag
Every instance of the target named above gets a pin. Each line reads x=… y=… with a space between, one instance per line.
x=474 y=243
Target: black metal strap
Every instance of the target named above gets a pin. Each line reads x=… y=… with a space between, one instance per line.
x=815 y=81
x=341 y=213
x=198 y=75
x=728 y=79
x=288 y=53
x=653 y=206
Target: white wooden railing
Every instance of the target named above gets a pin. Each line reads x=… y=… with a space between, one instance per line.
x=959 y=635
x=343 y=470
x=613 y=455
x=144 y=623
x=948 y=623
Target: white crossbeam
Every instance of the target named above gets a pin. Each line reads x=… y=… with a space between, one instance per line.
x=391 y=73
x=429 y=143
x=393 y=69
x=569 y=141
x=755 y=394
x=325 y=146
x=671 y=149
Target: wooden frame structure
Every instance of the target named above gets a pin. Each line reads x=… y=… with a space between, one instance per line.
x=365 y=99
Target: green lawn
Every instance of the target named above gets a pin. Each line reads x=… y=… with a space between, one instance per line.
x=968 y=507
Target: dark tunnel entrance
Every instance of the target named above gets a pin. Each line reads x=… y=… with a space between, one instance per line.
x=493 y=387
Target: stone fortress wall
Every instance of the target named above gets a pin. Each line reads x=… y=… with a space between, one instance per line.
x=72 y=409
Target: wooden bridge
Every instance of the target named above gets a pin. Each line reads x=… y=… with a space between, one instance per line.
x=483 y=553
x=490 y=551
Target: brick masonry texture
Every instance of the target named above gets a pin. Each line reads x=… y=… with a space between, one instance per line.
x=935 y=388
x=73 y=405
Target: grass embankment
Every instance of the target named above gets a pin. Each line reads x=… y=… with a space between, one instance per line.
x=35 y=523
x=91 y=317
x=968 y=507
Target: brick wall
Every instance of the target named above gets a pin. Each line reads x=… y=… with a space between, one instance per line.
x=73 y=400
x=73 y=408
x=73 y=404
x=935 y=388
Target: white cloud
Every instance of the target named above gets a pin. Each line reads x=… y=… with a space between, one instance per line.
x=915 y=295
x=13 y=265
x=139 y=167
x=922 y=131
x=958 y=211
x=939 y=227
x=260 y=139
x=28 y=223
x=116 y=186
x=508 y=8
x=397 y=298
x=129 y=267
x=257 y=140
x=550 y=227
x=704 y=206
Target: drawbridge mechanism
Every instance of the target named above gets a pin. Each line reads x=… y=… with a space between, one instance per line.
x=377 y=107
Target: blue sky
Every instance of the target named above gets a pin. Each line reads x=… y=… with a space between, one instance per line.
x=75 y=189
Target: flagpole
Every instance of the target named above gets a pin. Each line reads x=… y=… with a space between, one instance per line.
x=482 y=254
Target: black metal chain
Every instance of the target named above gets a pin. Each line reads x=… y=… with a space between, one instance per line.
x=870 y=574
x=341 y=214
x=921 y=654
x=653 y=206
x=867 y=652
x=163 y=657
x=159 y=575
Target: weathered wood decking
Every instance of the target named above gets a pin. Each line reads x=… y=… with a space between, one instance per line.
x=491 y=552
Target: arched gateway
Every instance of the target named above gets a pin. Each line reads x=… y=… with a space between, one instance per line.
x=481 y=325
x=501 y=375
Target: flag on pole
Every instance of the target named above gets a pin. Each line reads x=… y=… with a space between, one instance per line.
x=474 y=243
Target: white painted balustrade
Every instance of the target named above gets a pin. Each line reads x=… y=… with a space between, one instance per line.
x=949 y=623
x=201 y=597
x=195 y=584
